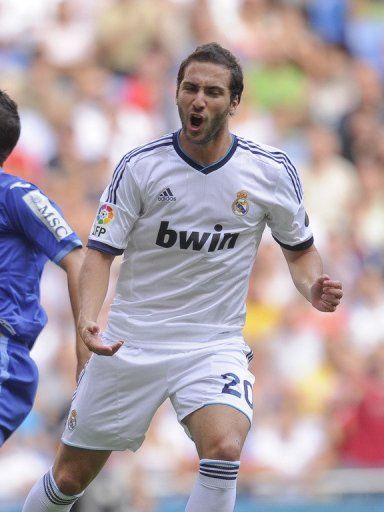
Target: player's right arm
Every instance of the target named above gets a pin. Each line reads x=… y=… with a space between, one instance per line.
x=120 y=206
x=93 y=287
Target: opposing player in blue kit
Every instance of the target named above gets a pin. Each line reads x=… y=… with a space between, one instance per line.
x=32 y=230
x=187 y=211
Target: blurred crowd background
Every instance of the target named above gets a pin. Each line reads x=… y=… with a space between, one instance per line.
x=95 y=78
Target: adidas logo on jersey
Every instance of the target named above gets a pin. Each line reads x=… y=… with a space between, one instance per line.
x=166 y=195
x=195 y=240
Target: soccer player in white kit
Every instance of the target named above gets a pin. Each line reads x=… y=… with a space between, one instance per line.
x=187 y=212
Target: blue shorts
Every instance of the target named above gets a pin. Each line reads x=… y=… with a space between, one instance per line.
x=18 y=385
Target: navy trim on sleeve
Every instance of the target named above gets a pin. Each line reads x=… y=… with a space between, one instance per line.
x=74 y=244
x=99 y=246
x=298 y=247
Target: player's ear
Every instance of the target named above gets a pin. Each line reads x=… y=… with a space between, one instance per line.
x=233 y=106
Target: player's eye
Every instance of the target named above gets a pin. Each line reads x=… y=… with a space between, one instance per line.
x=214 y=92
x=189 y=87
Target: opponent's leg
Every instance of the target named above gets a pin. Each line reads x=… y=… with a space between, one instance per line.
x=18 y=386
x=219 y=432
x=73 y=470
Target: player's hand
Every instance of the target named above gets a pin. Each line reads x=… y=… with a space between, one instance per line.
x=90 y=334
x=326 y=294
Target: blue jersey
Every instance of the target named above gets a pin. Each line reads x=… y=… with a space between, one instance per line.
x=32 y=230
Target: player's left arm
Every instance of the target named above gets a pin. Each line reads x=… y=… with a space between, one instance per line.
x=319 y=289
x=72 y=263
x=41 y=222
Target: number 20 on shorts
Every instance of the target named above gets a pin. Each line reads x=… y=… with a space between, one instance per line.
x=234 y=381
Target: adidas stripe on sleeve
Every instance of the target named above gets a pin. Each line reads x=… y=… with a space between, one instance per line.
x=119 y=208
x=287 y=217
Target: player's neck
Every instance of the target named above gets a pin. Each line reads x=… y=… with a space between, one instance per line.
x=209 y=153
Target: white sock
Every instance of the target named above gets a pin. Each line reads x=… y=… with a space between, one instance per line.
x=215 y=487
x=45 y=496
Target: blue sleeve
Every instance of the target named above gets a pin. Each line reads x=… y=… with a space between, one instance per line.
x=40 y=220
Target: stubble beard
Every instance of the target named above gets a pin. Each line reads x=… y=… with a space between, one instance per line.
x=216 y=125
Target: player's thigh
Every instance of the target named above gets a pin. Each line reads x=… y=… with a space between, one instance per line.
x=75 y=468
x=212 y=392
x=218 y=430
x=18 y=385
x=115 y=400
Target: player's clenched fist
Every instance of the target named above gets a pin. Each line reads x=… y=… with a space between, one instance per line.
x=326 y=294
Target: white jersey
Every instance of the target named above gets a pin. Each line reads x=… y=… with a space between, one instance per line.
x=189 y=236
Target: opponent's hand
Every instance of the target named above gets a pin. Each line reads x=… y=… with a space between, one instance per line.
x=326 y=294
x=90 y=334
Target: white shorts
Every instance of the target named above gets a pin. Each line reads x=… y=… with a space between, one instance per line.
x=117 y=396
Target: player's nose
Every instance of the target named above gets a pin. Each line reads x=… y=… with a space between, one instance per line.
x=199 y=101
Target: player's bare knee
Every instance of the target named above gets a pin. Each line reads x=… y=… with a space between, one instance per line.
x=223 y=449
x=68 y=483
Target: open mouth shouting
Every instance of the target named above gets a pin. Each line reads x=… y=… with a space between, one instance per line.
x=195 y=121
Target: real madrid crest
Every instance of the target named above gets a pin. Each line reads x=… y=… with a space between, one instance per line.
x=72 y=419
x=240 y=205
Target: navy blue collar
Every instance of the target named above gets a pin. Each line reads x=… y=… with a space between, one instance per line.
x=207 y=168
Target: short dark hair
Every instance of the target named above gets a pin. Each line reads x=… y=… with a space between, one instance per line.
x=216 y=54
x=9 y=126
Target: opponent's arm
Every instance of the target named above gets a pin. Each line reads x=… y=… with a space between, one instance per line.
x=94 y=280
x=71 y=263
x=306 y=269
